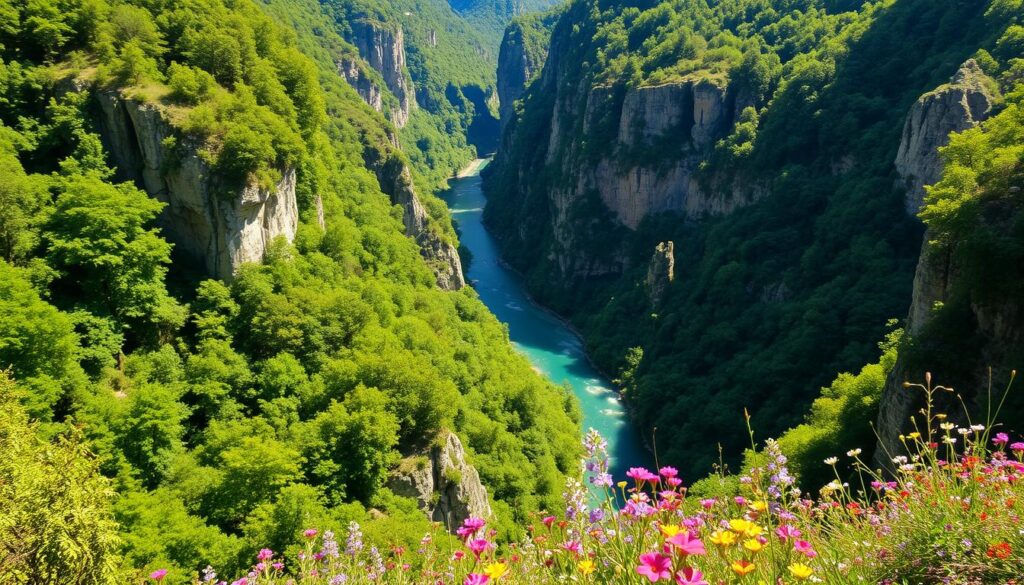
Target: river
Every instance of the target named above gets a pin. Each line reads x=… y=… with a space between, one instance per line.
x=551 y=346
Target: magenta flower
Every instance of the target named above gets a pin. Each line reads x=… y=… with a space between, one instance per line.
x=1018 y=447
x=708 y=503
x=277 y=566
x=548 y=521
x=158 y=575
x=478 y=546
x=572 y=546
x=687 y=543
x=805 y=548
x=1001 y=439
x=786 y=532
x=641 y=474
x=655 y=567
x=309 y=533
x=265 y=554
x=690 y=576
x=674 y=481
x=668 y=471
x=476 y=579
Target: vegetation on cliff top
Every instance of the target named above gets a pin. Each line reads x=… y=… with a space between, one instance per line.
x=222 y=414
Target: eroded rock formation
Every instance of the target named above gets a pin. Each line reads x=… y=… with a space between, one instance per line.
x=447 y=488
x=220 y=227
x=442 y=256
x=661 y=272
x=963 y=103
x=383 y=48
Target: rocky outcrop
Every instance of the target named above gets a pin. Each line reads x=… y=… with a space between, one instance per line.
x=445 y=486
x=223 y=228
x=383 y=48
x=661 y=272
x=963 y=103
x=356 y=76
x=396 y=181
x=516 y=67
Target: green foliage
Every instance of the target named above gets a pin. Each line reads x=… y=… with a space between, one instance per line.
x=775 y=297
x=56 y=524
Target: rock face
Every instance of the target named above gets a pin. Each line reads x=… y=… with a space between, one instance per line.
x=516 y=66
x=447 y=488
x=221 y=230
x=360 y=80
x=636 y=151
x=383 y=48
x=661 y=272
x=963 y=103
x=442 y=256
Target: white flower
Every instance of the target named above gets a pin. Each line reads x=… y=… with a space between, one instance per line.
x=853 y=452
x=978 y=428
x=947 y=426
x=899 y=459
x=907 y=467
x=963 y=431
x=949 y=440
x=831 y=461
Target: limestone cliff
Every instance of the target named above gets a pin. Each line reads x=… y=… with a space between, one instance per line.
x=383 y=48
x=221 y=230
x=661 y=272
x=964 y=103
x=447 y=488
x=396 y=181
x=356 y=75
x=517 y=64
x=637 y=151
x=961 y=104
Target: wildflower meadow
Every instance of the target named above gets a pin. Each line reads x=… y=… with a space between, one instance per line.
x=948 y=511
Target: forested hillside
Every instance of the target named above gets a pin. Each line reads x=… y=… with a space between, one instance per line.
x=708 y=190
x=147 y=146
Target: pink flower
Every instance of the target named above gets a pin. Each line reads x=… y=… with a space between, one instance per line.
x=277 y=566
x=242 y=581
x=458 y=555
x=469 y=527
x=264 y=554
x=1017 y=447
x=548 y=521
x=786 y=532
x=478 y=546
x=687 y=543
x=476 y=579
x=804 y=547
x=309 y=533
x=158 y=575
x=572 y=546
x=707 y=503
x=674 y=481
x=668 y=471
x=1001 y=439
x=690 y=576
x=641 y=474
x=655 y=566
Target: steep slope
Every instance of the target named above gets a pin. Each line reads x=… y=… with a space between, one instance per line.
x=150 y=146
x=521 y=55
x=491 y=17
x=759 y=139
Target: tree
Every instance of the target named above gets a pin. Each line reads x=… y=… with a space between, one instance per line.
x=56 y=525
x=98 y=238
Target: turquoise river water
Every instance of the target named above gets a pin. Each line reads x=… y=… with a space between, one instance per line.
x=552 y=347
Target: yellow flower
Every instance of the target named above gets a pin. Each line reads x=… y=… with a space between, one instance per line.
x=723 y=538
x=745 y=527
x=495 y=570
x=586 y=567
x=669 y=530
x=759 y=506
x=753 y=545
x=914 y=435
x=800 y=571
x=622 y=485
x=742 y=567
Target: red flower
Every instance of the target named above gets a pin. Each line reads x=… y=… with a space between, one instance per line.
x=999 y=551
